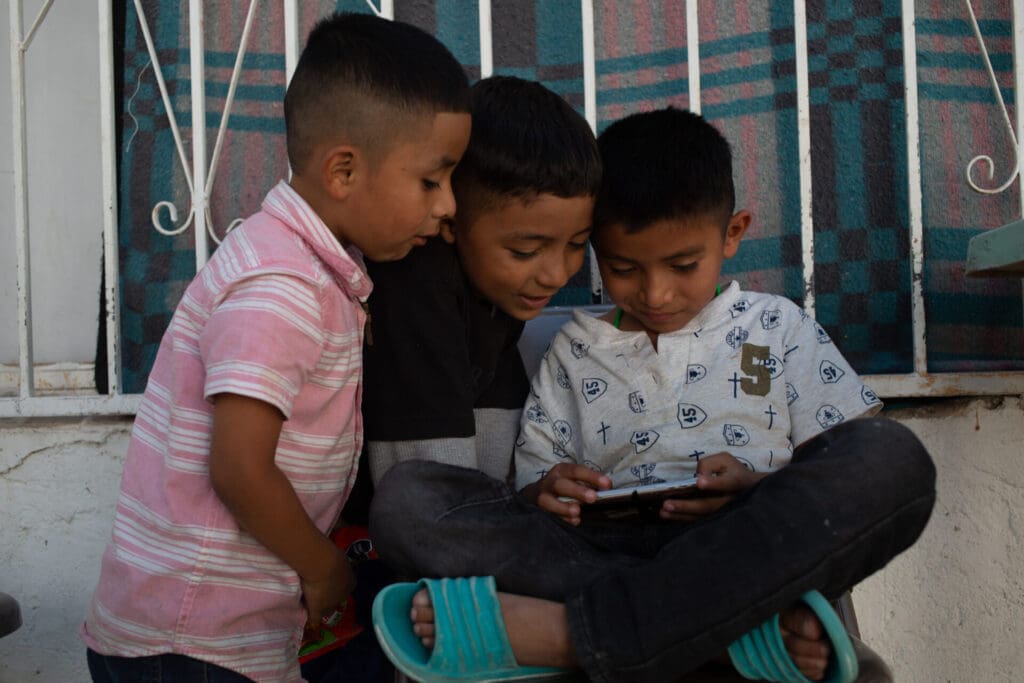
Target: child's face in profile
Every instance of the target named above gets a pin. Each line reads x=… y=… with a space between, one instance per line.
x=518 y=254
x=663 y=275
x=404 y=196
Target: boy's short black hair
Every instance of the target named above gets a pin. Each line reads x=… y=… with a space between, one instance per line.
x=661 y=165
x=360 y=76
x=525 y=141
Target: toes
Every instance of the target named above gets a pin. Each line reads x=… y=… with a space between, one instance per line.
x=422 y=611
x=812 y=668
x=423 y=630
x=422 y=616
x=802 y=647
x=801 y=620
x=421 y=599
x=804 y=638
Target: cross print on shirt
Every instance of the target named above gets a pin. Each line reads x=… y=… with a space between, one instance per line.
x=735 y=383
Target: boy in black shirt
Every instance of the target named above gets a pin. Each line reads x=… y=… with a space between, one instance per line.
x=443 y=377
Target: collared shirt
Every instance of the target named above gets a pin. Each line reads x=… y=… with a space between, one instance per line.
x=274 y=316
x=752 y=375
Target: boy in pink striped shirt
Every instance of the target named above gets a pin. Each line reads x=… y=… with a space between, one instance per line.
x=248 y=436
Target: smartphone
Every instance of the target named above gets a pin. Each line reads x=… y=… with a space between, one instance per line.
x=681 y=488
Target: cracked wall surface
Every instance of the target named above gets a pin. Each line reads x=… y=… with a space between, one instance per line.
x=949 y=609
x=58 y=485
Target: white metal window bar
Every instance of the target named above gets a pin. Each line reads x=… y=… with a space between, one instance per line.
x=693 y=55
x=803 y=119
x=200 y=178
x=590 y=113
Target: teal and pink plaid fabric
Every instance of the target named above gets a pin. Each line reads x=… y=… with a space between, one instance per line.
x=748 y=83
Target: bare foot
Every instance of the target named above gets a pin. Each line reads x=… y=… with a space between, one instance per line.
x=537 y=629
x=805 y=640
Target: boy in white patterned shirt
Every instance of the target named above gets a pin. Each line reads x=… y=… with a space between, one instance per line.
x=682 y=370
x=682 y=378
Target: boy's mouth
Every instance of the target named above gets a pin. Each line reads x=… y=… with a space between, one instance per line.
x=535 y=301
x=659 y=317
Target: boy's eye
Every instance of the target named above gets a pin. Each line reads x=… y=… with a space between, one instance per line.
x=430 y=184
x=621 y=270
x=523 y=254
x=578 y=245
x=684 y=267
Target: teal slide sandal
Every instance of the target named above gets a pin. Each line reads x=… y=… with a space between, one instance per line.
x=761 y=654
x=470 y=641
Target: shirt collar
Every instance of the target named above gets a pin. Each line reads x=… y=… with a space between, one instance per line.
x=285 y=204
x=713 y=313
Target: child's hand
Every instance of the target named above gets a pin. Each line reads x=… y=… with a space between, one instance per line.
x=722 y=477
x=325 y=593
x=567 y=481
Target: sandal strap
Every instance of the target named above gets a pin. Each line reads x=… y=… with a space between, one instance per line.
x=470 y=640
x=469 y=631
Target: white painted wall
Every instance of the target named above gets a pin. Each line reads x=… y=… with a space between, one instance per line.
x=949 y=609
x=62 y=82
x=952 y=607
x=58 y=485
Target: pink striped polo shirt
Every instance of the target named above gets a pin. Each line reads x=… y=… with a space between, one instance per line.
x=275 y=316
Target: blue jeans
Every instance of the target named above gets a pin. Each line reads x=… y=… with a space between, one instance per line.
x=654 y=600
x=166 y=668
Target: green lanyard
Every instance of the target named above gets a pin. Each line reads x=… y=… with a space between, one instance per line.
x=618 y=311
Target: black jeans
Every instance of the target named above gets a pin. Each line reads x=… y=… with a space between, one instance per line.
x=653 y=601
x=166 y=668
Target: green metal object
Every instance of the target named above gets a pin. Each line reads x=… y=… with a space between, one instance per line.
x=998 y=252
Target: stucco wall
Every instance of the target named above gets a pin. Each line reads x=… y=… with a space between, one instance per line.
x=58 y=484
x=950 y=609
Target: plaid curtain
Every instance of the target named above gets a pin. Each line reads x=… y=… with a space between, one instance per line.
x=862 y=281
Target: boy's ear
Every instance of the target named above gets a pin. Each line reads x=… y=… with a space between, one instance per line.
x=342 y=167
x=738 y=224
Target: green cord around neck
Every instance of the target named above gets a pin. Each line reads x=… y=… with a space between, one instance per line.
x=618 y=319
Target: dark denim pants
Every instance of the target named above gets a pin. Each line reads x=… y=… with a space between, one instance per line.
x=166 y=668
x=653 y=601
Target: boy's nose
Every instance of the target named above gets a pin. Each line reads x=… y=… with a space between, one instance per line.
x=554 y=272
x=445 y=206
x=655 y=292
